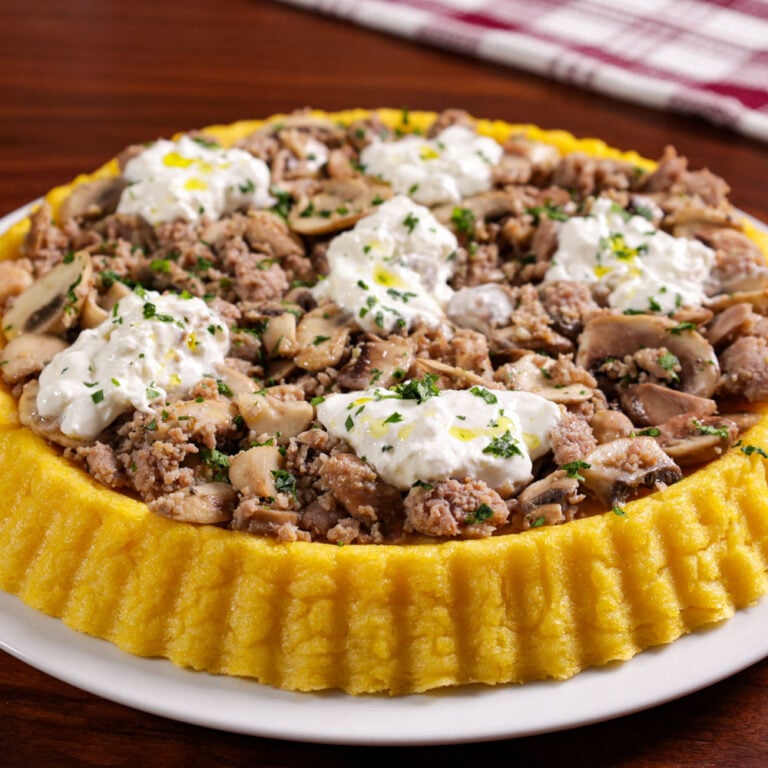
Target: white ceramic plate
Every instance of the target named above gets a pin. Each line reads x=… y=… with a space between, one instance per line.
x=469 y=713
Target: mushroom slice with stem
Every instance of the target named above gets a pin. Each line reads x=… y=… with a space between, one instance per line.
x=53 y=303
x=336 y=205
x=688 y=439
x=265 y=414
x=455 y=378
x=322 y=336
x=377 y=362
x=93 y=199
x=650 y=404
x=623 y=467
x=48 y=428
x=608 y=425
x=205 y=504
x=529 y=373
x=484 y=206
x=728 y=324
x=28 y=354
x=252 y=472
x=557 y=488
x=613 y=336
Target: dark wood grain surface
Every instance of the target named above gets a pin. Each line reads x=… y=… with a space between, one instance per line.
x=79 y=80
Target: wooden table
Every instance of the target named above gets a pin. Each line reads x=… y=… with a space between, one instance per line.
x=80 y=80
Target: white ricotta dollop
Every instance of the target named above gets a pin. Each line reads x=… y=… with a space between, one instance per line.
x=187 y=179
x=492 y=435
x=392 y=268
x=639 y=267
x=150 y=346
x=453 y=165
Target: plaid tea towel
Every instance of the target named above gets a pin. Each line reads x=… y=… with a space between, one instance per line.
x=708 y=57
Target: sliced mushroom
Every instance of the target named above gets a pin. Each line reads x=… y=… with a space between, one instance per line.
x=14 y=278
x=267 y=415
x=650 y=404
x=278 y=338
x=529 y=373
x=613 y=336
x=28 y=354
x=556 y=488
x=237 y=383
x=48 y=428
x=268 y=233
x=205 y=504
x=337 y=205
x=322 y=335
x=260 y=520
x=93 y=199
x=306 y=121
x=452 y=377
x=93 y=314
x=377 y=362
x=252 y=472
x=757 y=297
x=691 y=440
x=608 y=425
x=623 y=467
x=53 y=303
x=215 y=416
x=728 y=324
x=486 y=205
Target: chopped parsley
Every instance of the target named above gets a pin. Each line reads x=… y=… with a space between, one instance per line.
x=97 y=396
x=223 y=388
x=394 y=418
x=484 y=394
x=319 y=340
x=680 y=327
x=551 y=211
x=750 y=449
x=422 y=484
x=481 y=514
x=620 y=511
x=572 y=468
x=349 y=423
x=706 y=429
x=285 y=482
x=463 y=220
x=410 y=222
x=417 y=389
x=315 y=401
x=669 y=362
x=503 y=447
x=150 y=313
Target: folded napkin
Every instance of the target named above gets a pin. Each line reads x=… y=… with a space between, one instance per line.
x=704 y=57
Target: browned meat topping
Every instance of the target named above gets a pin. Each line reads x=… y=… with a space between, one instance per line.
x=639 y=394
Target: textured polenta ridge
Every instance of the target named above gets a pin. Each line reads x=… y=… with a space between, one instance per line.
x=400 y=619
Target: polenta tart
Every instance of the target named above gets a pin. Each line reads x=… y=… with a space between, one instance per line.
x=385 y=401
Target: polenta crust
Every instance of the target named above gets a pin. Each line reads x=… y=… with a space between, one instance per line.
x=398 y=619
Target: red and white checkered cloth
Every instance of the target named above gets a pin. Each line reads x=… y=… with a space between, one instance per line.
x=708 y=57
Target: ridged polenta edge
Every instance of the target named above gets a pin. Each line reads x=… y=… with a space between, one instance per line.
x=399 y=619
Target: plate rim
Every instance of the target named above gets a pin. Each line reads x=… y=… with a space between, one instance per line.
x=445 y=716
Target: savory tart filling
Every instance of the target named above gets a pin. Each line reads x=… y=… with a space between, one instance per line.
x=337 y=333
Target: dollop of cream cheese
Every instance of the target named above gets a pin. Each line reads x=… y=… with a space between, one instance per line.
x=187 y=179
x=453 y=165
x=392 y=268
x=152 y=345
x=638 y=266
x=492 y=435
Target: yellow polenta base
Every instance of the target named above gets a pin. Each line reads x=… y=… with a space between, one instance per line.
x=543 y=604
